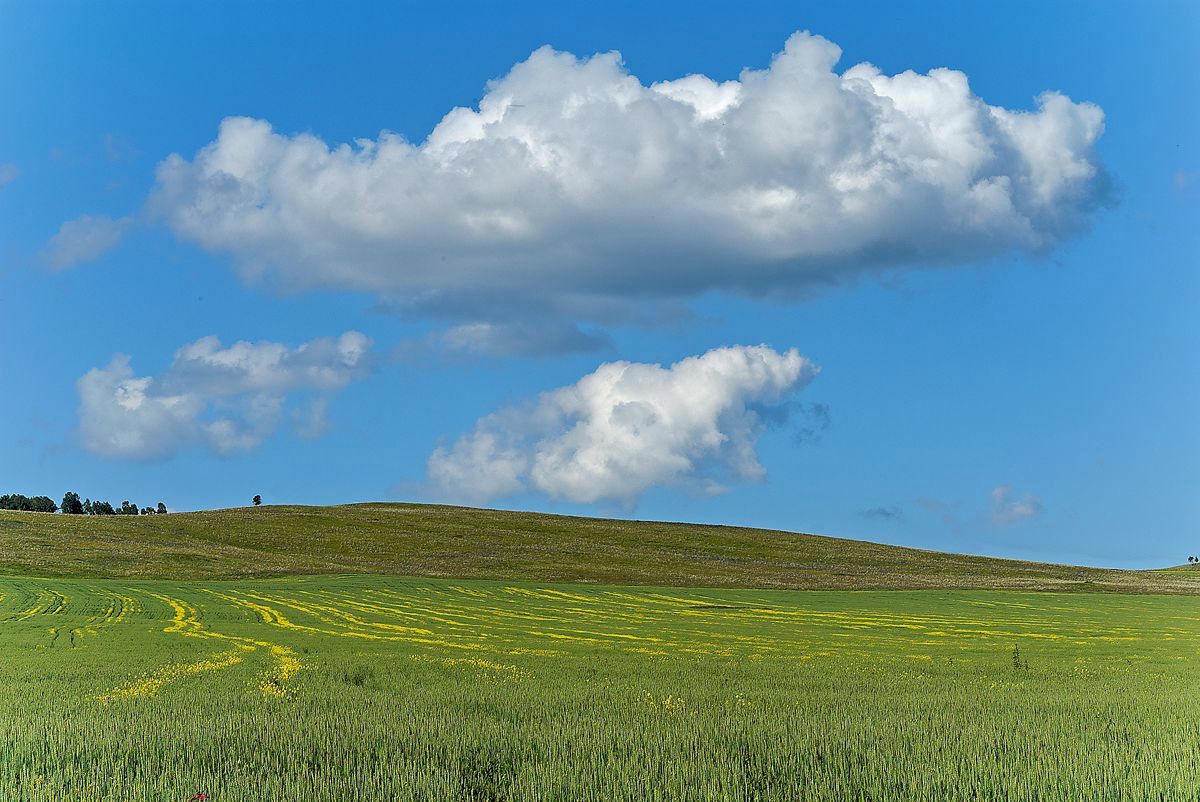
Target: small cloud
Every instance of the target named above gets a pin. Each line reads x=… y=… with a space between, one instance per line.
x=228 y=400
x=893 y=512
x=1008 y=509
x=84 y=239
x=625 y=428
x=8 y=173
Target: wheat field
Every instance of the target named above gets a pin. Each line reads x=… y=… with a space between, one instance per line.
x=369 y=688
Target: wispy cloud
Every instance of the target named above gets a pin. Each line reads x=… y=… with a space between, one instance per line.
x=8 y=173
x=536 y=339
x=84 y=239
x=1008 y=509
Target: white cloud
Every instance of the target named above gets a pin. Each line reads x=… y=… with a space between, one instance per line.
x=8 y=173
x=575 y=189
x=224 y=399
x=84 y=239
x=627 y=427
x=1008 y=509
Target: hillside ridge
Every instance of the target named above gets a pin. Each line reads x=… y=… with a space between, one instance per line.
x=426 y=540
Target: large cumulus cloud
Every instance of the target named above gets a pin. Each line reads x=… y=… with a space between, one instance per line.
x=627 y=427
x=225 y=399
x=575 y=188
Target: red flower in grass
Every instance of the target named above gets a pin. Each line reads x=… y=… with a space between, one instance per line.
x=199 y=797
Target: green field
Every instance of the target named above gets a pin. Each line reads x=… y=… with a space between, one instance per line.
x=367 y=687
x=277 y=654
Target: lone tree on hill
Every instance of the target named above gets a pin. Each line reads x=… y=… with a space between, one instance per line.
x=257 y=500
x=162 y=509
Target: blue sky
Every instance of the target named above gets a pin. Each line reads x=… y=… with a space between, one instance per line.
x=1027 y=392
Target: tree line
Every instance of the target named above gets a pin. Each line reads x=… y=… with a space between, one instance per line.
x=15 y=501
x=72 y=505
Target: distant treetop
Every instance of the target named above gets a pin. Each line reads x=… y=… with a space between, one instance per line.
x=71 y=505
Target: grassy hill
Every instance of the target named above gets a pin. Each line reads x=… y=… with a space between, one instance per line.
x=459 y=542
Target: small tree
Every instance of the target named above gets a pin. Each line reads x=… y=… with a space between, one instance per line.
x=257 y=500
x=71 y=505
x=162 y=508
x=102 y=508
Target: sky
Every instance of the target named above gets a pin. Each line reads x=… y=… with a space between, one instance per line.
x=921 y=274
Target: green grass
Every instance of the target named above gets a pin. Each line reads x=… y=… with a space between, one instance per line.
x=342 y=688
x=436 y=541
x=275 y=654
